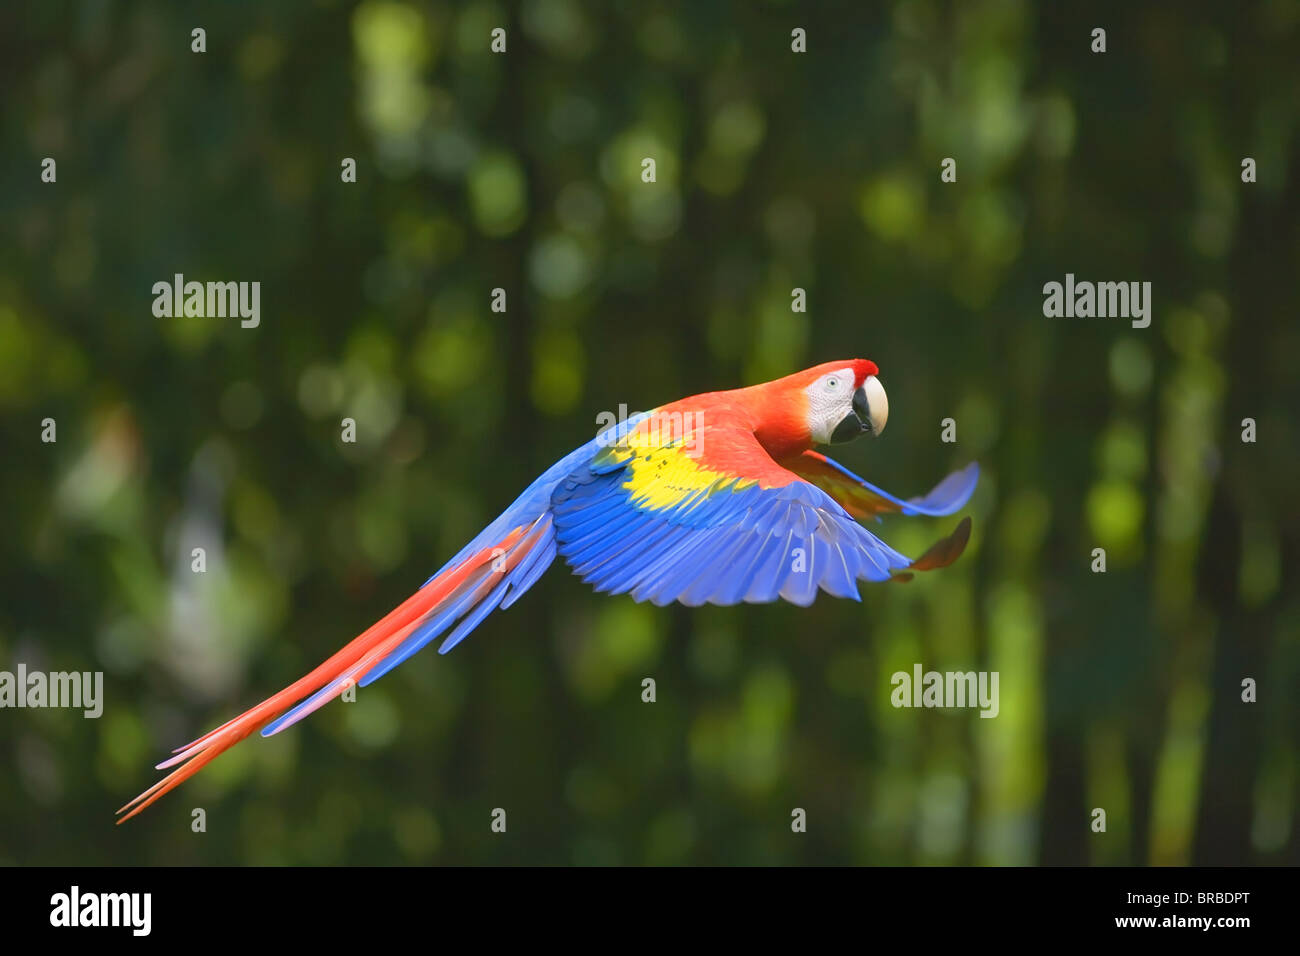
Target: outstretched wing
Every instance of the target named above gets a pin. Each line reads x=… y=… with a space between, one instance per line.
x=709 y=517
x=862 y=499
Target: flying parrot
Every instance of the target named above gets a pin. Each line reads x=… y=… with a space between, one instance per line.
x=718 y=498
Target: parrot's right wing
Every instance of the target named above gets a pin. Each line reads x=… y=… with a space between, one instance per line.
x=862 y=499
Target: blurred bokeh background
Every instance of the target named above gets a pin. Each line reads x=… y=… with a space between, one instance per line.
x=775 y=170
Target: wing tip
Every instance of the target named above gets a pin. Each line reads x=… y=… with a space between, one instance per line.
x=946 y=550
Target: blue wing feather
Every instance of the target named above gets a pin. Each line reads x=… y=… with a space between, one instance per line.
x=722 y=543
x=946 y=497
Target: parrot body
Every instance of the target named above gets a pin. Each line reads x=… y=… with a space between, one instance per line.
x=717 y=498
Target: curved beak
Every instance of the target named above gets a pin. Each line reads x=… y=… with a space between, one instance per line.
x=875 y=404
x=870 y=412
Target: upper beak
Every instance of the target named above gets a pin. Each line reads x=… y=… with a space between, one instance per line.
x=870 y=412
x=872 y=405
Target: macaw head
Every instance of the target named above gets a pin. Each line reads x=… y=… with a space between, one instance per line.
x=845 y=400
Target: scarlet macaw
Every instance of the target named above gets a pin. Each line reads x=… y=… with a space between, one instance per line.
x=717 y=498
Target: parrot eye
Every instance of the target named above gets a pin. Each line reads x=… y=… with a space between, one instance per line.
x=832 y=383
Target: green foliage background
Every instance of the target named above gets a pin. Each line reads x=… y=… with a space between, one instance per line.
x=775 y=170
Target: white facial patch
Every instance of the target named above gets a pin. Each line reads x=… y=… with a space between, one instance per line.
x=830 y=400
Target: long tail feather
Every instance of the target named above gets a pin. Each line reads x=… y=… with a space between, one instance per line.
x=458 y=588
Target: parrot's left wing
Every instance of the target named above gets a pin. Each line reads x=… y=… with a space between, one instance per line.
x=709 y=517
x=862 y=499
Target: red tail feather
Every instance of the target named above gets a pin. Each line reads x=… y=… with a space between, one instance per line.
x=359 y=656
